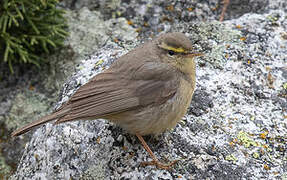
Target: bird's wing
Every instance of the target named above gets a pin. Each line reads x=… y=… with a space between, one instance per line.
x=112 y=92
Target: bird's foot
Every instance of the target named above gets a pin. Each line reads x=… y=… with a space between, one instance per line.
x=154 y=162
x=225 y=5
x=159 y=164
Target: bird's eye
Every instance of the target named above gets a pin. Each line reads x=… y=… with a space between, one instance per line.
x=171 y=53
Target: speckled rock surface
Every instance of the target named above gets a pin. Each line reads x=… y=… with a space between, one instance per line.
x=238 y=130
x=234 y=129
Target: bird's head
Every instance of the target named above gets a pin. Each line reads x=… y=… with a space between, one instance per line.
x=176 y=49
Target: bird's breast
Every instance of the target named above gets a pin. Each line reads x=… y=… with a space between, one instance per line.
x=156 y=119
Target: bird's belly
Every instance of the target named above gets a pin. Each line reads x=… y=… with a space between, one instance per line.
x=156 y=119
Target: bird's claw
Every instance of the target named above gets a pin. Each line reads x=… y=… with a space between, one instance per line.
x=159 y=164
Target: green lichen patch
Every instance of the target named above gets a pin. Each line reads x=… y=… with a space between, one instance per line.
x=27 y=107
x=244 y=139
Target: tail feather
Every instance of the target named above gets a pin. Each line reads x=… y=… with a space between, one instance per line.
x=43 y=120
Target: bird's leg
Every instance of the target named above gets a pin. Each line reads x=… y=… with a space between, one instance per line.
x=154 y=161
x=225 y=4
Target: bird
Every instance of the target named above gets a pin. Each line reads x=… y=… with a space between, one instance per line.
x=145 y=91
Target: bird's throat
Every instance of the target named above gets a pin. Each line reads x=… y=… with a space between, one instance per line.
x=188 y=67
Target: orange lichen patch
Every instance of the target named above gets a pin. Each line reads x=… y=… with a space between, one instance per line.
x=249 y=62
x=233 y=142
x=116 y=40
x=179 y=176
x=242 y=38
x=98 y=140
x=165 y=18
x=238 y=26
x=31 y=88
x=190 y=9
x=262 y=151
x=213 y=148
x=246 y=154
x=125 y=148
x=270 y=80
x=138 y=30
x=146 y=24
x=130 y=22
x=266 y=167
x=215 y=8
x=268 y=54
x=131 y=154
x=37 y=157
x=265 y=146
x=169 y=8
x=263 y=135
x=284 y=35
x=268 y=68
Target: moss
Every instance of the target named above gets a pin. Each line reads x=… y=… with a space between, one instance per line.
x=29 y=29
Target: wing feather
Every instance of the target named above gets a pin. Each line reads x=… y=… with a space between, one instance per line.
x=110 y=94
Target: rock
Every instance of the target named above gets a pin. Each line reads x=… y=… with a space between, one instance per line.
x=242 y=135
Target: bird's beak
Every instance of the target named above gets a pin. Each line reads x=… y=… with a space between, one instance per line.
x=194 y=54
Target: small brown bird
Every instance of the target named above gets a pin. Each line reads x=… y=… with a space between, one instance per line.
x=145 y=92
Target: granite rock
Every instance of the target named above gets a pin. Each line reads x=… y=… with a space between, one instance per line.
x=240 y=132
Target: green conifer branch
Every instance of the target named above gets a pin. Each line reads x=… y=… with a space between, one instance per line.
x=29 y=28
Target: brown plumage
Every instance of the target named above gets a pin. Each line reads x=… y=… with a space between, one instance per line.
x=145 y=91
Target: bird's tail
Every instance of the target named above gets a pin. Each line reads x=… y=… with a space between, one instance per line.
x=43 y=120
